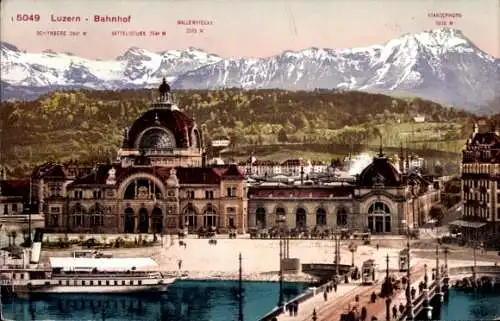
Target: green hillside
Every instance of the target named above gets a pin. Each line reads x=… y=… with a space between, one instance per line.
x=88 y=125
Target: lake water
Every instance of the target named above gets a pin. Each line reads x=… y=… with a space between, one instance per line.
x=207 y=301
x=184 y=301
x=470 y=306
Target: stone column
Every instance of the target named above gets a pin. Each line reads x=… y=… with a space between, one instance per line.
x=199 y=221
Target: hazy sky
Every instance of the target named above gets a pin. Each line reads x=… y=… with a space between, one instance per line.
x=241 y=28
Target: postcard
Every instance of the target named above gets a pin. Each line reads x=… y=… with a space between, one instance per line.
x=248 y=160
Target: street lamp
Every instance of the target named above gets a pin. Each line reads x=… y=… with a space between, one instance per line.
x=438 y=276
x=388 y=286
x=409 y=305
x=280 y=220
x=446 y=251
x=426 y=277
x=240 y=290
x=413 y=194
x=337 y=256
x=352 y=248
x=474 y=245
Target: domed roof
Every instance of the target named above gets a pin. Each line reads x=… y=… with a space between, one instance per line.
x=380 y=172
x=158 y=120
x=162 y=128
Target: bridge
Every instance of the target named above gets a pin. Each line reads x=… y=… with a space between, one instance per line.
x=332 y=310
x=437 y=289
x=483 y=270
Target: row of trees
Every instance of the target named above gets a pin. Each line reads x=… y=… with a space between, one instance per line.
x=82 y=124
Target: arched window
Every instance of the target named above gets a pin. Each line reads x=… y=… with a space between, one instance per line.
x=129 y=226
x=300 y=218
x=379 y=218
x=77 y=214
x=341 y=217
x=321 y=217
x=195 y=139
x=142 y=189
x=190 y=217
x=143 y=220
x=157 y=220
x=97 y=215
x=280 y=212
x=157 y=139
x=260 y=217
x=210 y=216
x=231 y=217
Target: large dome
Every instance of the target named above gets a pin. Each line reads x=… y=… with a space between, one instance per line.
x=163 y=136
x=162 y=128
x=380 y=172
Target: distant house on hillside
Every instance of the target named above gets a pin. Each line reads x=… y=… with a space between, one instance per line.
x=220 y=142
x=419 y=119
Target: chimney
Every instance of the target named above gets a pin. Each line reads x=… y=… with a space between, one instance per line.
x=401 y=159
x=204 y=160
x=407 y=161
x=475 y=129
x=494 y=128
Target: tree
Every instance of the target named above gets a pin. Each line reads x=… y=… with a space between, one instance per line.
x=14 y=236
x=437 y=213
x=282 y=138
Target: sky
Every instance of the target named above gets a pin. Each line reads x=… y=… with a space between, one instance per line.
x=238 y=28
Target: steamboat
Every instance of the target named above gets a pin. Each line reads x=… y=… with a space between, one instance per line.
x=87 y=275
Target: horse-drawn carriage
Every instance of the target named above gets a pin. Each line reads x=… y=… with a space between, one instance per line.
x=183 y=232
x=232 y=234
x=204 y=232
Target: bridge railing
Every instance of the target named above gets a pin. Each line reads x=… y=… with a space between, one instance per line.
x=480 y=269
x=418 y=302
x=298 y=299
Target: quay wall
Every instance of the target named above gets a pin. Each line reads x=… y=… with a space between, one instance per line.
x=311 y=292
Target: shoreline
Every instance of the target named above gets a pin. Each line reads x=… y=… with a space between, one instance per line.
x=261 y=277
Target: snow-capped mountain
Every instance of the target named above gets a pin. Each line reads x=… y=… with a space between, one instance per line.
x=134 y=68
x=442 y=65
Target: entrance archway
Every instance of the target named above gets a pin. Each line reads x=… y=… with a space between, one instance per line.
x=300 y=218
x=190 y=217
x=379 y=218
x=260 y=217
x=210 y=217
x=143 y=220
x=157 y=220
x=320 y=217
x=129 y=221
x=342 y=217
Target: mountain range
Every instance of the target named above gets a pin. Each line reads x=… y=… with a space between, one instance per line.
x=441 y=65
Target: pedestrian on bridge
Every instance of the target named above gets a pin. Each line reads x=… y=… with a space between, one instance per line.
x=394 y=311
x=364 y=314
x=289 y=308
x=325 y=295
